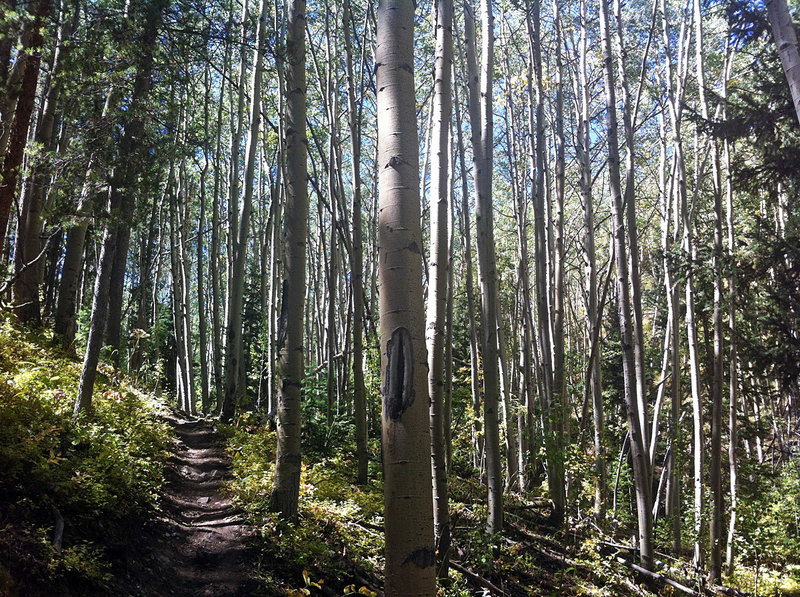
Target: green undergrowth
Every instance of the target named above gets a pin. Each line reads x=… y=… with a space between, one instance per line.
x=99 y=474
x=337 y=540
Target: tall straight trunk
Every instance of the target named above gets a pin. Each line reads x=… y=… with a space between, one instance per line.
x=438 y=273
x=733 y=378
x=410 y=554
x=715 y=472
x=26 y=286
x=675 y=84
x=121 y=198
x=516 y=444
x=481 y=119
x=593 y=389
x=65 y=323
x=178 y=206
x=356 y=257
x=286 y=487
x=560 y=397
x=632 y=233
x=447 y=411
x=469 y=283
x=237 y=116
x=637 y=444
x=216 y=241
x=31 y=57
x=780 y=19
x=202 y=320
x=551 y=406
x=234 y=366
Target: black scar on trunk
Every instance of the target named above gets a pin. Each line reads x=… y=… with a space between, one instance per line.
x=398 y=388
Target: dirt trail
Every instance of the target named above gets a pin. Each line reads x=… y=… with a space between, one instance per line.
x=205 y=550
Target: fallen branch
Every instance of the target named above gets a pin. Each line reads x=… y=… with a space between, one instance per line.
x=659 y=577
x=476 y=578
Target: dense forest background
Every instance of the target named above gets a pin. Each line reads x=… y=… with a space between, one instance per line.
x=602 y=239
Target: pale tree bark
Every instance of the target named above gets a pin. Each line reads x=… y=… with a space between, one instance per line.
x=234 y=388
x=356 y=255
x=592 y=389
x=469 y=284
x=715 y=472
x=410 y=554
x=178 y=208
x=785 y=35
x=286 y=487
x=202 y=320
x=482 y=122
x=629 y=204
x=442 y=109
x=560 y=397
x=638 y=447
x=551 y=406
x=733 y=369
x=676 y=200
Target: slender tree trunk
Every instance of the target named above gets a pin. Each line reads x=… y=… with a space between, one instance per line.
x=410 y=555
x=481 y=118
x=234 y=388
x=438 y=274
x=593 y=389
x=202 y=320
x=286 y=488
x=638 y=448
x=29 y=244
x=551 y=407
x=464 y=224
x=121 y=195
x=733 y=377
x=356 y=258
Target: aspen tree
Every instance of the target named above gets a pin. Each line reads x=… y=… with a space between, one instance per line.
x=637 y=443
x=785 y=35
x=286 y=487
x=234 y=365
x=410 y=555
x=438 y=268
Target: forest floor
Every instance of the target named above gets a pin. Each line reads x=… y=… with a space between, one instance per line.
x=138 y=500
x=200 y=544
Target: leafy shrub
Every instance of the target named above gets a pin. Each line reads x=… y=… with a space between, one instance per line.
x=95 y=473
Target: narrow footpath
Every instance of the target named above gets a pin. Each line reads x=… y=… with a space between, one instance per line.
x=204 y=549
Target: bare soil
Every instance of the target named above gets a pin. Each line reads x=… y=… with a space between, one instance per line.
x=200 y=544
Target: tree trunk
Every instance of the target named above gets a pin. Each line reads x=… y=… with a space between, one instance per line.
x=786 y=39
x=234 y=371
x=121 y=196
x=481 y=118
x=356 y=258
x=29 y=243
x=31 y=56
x=286 y=488
x=638 y=449
x=410 y=555
x=438 y=269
